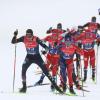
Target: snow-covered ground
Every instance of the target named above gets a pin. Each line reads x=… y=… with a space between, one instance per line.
x=39 y=15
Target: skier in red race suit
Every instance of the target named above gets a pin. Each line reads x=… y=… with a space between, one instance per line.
x=88 y=39
x=33 y=56
x=76 y=75
x=67 y=50
x=52 y=58
x=78 y=57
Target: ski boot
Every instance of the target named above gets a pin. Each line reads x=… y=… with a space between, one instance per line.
x=93 y=75
x=76 y=81
x=78 y=86
x=52 y=87
x=61 y=86
x=64 y=88
x=54 y=84
x=24 y=88
x=71 y=90
x=93 y=78
x=40 y=81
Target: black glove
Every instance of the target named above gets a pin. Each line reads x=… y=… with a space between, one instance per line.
x=43 y=52
x=50 y=28
x=16 y=33
x=99 y=11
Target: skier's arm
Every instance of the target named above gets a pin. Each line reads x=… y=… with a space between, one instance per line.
x=49 y=30
x=80 y=37
x=86 y=25
x=15 y=40
x=42 y=44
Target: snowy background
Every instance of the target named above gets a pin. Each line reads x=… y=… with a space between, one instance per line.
x=39 y=15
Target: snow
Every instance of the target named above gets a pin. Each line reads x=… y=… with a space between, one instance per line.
x=39 y=15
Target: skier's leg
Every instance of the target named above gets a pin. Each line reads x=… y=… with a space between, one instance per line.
x=92 y=63
x=41 y=64
x=48 y=61
x=47 y=64
x=63 y=74
x=70 y=71
x=86 y=58
x=54 y=63
x=76 y=80
x=25 y=66
x=40 y=80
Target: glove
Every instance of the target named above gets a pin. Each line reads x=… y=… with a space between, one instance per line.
x=43 y=52
x=49 y=31
x=99 y=11
x=50 y=28
x=16 y=33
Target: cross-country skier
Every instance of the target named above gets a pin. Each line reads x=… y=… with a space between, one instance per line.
x=88 y=40
x=67 y=51
x=72 y=34
x=33 y=56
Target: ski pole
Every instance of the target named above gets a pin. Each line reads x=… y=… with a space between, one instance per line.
x=14 y=72
x=99 y=11
x=90 y=68
x=97 y=61
x=81 y=78
x=14 y=69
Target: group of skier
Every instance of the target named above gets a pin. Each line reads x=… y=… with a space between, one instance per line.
x=59 y=53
